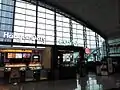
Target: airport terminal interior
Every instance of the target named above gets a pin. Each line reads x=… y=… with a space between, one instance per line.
x=59 y=45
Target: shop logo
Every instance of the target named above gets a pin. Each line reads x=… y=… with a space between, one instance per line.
x=10 y=35
x=68 y=42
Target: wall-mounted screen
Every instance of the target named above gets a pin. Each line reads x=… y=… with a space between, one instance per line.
x=18 y=55
x=26 y=55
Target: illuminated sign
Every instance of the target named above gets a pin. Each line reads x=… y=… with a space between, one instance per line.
x=87 y=51
x=8 y=50
x=15 y=65
x=10 y=35
x=68 y=42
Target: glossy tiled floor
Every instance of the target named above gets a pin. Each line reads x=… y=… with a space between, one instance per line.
x=91 y=82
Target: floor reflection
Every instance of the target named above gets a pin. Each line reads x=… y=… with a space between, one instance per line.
x=90 y=82
x=93 y=82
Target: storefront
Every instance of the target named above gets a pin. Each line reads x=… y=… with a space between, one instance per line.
x=49 y=63
x=64 y=61
x=24 y=64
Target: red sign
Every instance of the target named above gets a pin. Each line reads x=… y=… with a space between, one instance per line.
x=87 y=51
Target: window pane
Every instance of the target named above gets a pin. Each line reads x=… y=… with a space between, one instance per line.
x=19 y=29
x=19 y=4
x=80 y=27
x=58 y=18
x=49 y=38
x=19 y=23
x=59 y=34
x=30 y=24
x=59 y=23
x=50 y=33
x=30 y=18
x=50 y=22
x=49 y=16
x=30 y=30
x=19 y=16
x=41 y=14
x=42 y=26
x=65 y=24
x=59 y=28
x=41 y=20
x=32 y=7
x=40 y=31
x=41 y=9
x=19 y=10
x=30 y=12
x=65 y=19
x=49 y=27
x=79 y=31
x=49 y=11
x=66 y=34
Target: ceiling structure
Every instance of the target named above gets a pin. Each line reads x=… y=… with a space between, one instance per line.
x=102 y=16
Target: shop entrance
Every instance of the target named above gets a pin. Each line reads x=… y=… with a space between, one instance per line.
x=66 y=61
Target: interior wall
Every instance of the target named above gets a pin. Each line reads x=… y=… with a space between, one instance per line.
x=47 y=58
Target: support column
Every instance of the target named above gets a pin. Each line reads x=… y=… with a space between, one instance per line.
x=13 y=21
x=107 y=48
x=36 y=22
x=97 y=46
x=55 y=31
x=85 y=39
x=71 y=32
x=54 y=58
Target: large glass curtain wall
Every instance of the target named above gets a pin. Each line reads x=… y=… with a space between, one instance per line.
x=45 y=26
x=29 y=26
x=63 y=30
x=25 y=22
x=91 y=43
x=6 y=18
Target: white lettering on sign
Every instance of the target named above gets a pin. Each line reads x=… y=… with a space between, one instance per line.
x=10 y=35
x=68 y=42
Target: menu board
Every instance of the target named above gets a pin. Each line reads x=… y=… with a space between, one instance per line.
x=26 y=55
x=14 y=55
x=11 y=55
x=18 y=55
